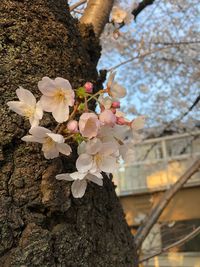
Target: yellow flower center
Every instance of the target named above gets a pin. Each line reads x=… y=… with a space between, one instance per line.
x=29 y=112
x=59 y=95
x=48 y=143
x=98 y=158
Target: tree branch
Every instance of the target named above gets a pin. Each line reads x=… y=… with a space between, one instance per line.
x=74 y=6
x=196 y=101
x=141 y=6
x=97 y=14
x=139 y=56
x=145 y=228
x=166 y=46
x=180 y=242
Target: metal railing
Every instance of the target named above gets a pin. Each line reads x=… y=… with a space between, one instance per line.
x=158 y=163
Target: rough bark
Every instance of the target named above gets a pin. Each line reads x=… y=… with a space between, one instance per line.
x=41 y=224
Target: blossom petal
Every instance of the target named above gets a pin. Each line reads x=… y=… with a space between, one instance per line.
x=117 y=91
x=89 y=128
x=111 y=78
x=138 y=123
x=31 y=138
x=18 y=107
x=84 y=163
x=47 y=103
x=78 y=188
x=39 y=131
x=81 y=148
x=61 y=112
x=39 y=110
x=50 y=153
x=94 y=167
x=93 y=146
x=34 y=121
x=107 y=164
x=107 y=117
x=64 y=149
x=62 y=83
x=105 y=101
x=95 y=179
x=26 y=96
x=47 y=86
x=108 y=148
x=69 y=97
x=89 y=125
x=64 y=176
x=98 y=174
x=78 y=175
x=121 y=132
x=58 y=138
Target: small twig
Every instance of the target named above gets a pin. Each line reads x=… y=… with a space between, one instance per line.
x=79 y=12
x=74 y=6
x=180 y=242
x=145 y=228
x=138 y=8
x=139 y=56
x=167 y=45
x=196 y=101
x=72 y=115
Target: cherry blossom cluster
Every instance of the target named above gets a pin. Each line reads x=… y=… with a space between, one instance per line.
x=103 y=138
x=120 y=15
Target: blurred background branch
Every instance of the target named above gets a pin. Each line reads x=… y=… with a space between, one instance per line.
x=152 y=218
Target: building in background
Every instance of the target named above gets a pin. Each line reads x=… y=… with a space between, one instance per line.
x=158 y=163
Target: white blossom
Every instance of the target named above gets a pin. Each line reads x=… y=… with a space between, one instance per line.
x=89 y=125
x=52 y=144
x=111 y=134
x=57 y=97
x=98 y=157
x=80 y=180
x=115 y=90
x=107 y=117
x=27 y=106
x=105 y=101
x=120 y=15
x=138 y=123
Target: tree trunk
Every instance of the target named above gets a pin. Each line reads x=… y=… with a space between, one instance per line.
x=41 y=224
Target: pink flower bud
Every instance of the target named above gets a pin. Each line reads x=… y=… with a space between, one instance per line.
x=89 y=125
x=72 y=126
x=120 y=121
x=116 y=104
x=107 y=117
x=88 y=87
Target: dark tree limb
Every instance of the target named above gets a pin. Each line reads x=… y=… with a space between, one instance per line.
x=178 y=243
x=196 y=101
x=74 y=6
x=146 y=227
x=140 y=7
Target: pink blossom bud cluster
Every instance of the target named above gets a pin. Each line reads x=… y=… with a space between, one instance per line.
x=103 y=138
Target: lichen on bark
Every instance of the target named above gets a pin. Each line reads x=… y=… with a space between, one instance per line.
x=40 y=223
